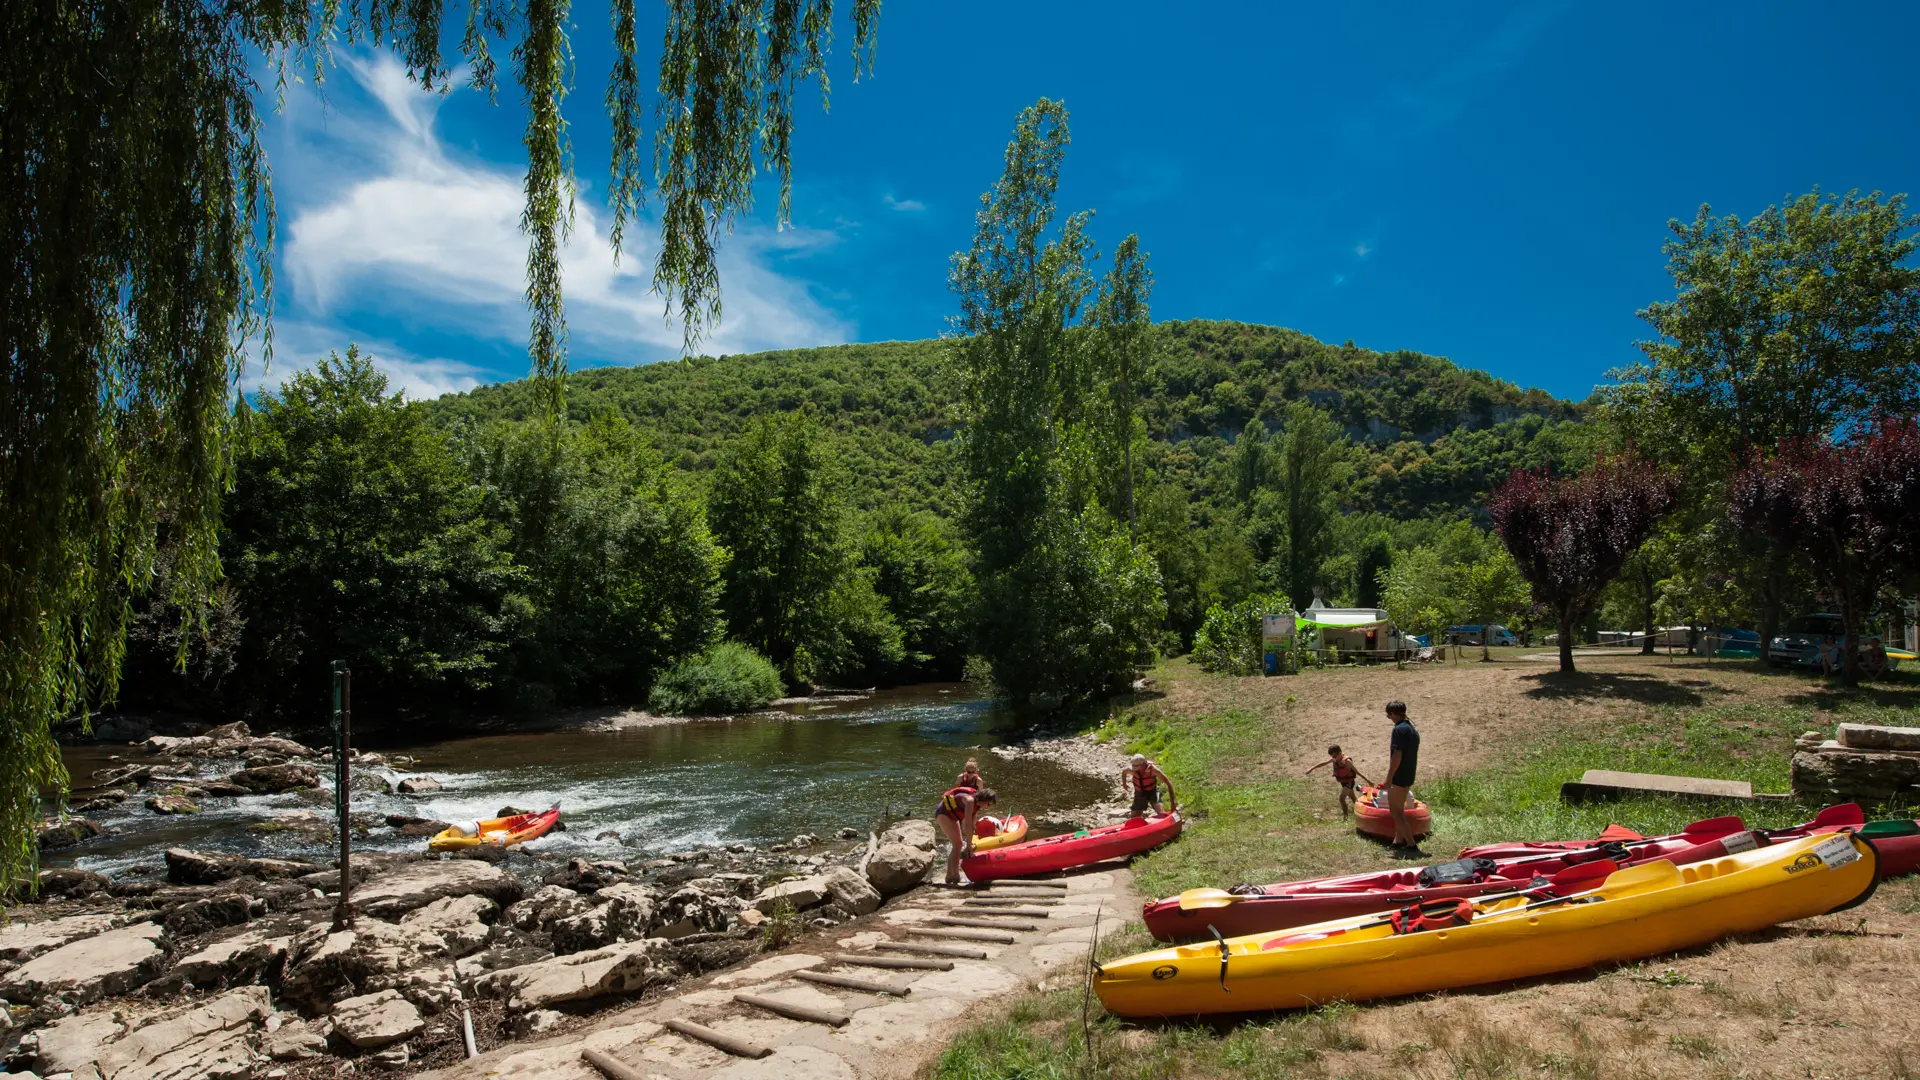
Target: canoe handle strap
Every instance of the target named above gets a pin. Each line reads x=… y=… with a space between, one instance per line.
x=1223 y=957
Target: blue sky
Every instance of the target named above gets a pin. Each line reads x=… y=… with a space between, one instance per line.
x=1489 y=183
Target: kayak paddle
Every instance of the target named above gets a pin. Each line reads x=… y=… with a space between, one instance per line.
x=1572 y=875
x=1205 y=899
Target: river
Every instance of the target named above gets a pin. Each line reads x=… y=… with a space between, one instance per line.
x=810 y=766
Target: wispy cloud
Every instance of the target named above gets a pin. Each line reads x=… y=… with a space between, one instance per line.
x=420 y=233
x=904 y=206
x=1363 y=249
x=299 y=345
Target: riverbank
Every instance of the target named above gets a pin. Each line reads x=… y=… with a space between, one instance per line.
x=1497 y=739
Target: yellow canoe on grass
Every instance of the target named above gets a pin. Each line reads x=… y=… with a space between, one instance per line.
x=1637 y=912
x=1012 y=831
x=498 y=832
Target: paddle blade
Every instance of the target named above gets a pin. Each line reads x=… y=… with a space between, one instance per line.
x=1619 y=832
x=1880 y=830
x=1203 y=899
x=1595 y=872
x=1714 y=826
x=1834 y=817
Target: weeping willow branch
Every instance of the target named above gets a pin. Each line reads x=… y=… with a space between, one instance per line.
x=138 y=225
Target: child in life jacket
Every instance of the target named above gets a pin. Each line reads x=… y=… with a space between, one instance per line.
x=1344 y=770
x=970 y=776
x=955 y=816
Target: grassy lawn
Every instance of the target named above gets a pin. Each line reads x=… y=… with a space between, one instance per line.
x=1829 y=997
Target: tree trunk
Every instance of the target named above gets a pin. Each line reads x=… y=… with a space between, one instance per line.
x=1850 y=639
x=1767 y=613
x=1646 y=596
x=1133 y=526
x=1565 y=619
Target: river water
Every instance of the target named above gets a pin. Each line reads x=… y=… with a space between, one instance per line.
x=811 y=766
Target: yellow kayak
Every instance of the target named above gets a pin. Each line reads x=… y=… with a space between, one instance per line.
x=499 y=832
x=1637 y=912
x=1012 y=830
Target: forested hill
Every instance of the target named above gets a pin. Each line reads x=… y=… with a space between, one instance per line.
x=1434 y=434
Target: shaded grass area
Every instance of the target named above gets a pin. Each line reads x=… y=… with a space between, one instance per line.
x=1272 y=828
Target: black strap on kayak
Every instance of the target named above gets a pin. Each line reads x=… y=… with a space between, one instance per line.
x=1223 y=957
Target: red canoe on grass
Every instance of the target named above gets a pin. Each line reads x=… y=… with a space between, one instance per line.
x=1845 y=815
x=1197 y=913
x=1130 y=837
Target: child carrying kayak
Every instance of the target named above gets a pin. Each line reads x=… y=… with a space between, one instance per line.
x=1344 y=770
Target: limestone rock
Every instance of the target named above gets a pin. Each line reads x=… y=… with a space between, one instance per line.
x=616 y=969
x=242 y=958
x=581 y=876
x=172 y=804
x=1879 y=737
x=176 y=745
x=415 y=885
x=91 y=968
x=56 y=834
x=801 y=893
x=214 y=1040
x=913 y=832
x=423 y=828
x=372 y=1021
x=1833 y=773
x=65 y=881
x=538 y=1022
x=459 y=923
x=220 y=789
x=419 y=785
x=851 y=891
x=188 y=867
x=20 y=940
x=294 y=1040
x=325 y=965
x=895 y=868
x=545 y=907
x=273 y=745
x=369 y=783
x=848 y=834
x=229 y=732
x=210 y=913
x=273 y=779
x=498 y=959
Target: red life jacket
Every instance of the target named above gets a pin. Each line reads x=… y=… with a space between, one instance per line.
x=971 y=781
x=1440 y=915
x=1146 y=781
x=950 y=802
x=1343 y=769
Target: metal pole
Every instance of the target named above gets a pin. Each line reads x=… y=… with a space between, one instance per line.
x=343 y=786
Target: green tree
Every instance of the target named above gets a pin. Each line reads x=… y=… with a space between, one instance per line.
x=1489 y=592
x=1067 y=603
x=920 y=570
x=1123 y=326
x=772 y=505
x=623 y=573
x=354 y=534
x=1417 y=594
x=1801 y=321
x=1307 y=471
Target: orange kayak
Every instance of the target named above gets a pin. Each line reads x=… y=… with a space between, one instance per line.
x=1370 y=814
x=500 y=832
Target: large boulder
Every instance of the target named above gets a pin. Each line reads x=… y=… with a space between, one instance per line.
x=274 y=746
x=409 y=886
x=57 y=833
x=372 y=1021
x=250 y=955
x=273 y=779
x=895 y=868
x=582 y=876
x=325 y=965
x=209 y=913
x=617 y=969
x=913 y=832
x=188 y=867
x=172 y=804
x=458 y=924
x=546 y=906
x=620 y=913
x=92 y=967
x=293 y=1040
x=419 y=785
x=65 y=881
x=214 y=1040
x=851 y=892
x=229 y=732
x=799 y=893
x=183 y=746
x=693 y=910
x=21 y=941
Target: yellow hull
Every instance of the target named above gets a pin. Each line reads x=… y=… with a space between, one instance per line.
x=497 y=832
x=1638 y=912
x=1014 y=830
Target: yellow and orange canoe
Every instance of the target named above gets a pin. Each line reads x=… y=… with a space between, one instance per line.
x=498 y=832
x=1011 y=830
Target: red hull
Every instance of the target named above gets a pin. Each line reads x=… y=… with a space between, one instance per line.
x=1702 y=831
x=1130 y=837
x=1300 y=903
x=1899 y=855
x=1378 y=820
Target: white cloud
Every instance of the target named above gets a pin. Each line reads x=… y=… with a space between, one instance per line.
x=298 y=345
x=415 y=227
x=1362 y=250
x=904 y=206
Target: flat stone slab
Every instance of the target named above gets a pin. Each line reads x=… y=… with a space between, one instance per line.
x=26 y=940
x=1602 y=784
x=415 y=885
x=91 y=968
x=1878 y=737
x=211 y=1040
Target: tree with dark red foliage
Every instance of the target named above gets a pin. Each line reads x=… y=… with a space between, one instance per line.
x=1572 y=536
x=1851 y=509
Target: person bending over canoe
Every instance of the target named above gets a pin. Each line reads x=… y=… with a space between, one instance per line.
x=1403 y=762
x=955 y=816
x=1143 y=778
x=970 y=776
x=1345 y=771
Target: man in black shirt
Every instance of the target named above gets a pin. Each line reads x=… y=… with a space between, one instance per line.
x=1404 y=749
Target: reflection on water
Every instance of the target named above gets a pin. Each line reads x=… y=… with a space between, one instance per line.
x=821 y=766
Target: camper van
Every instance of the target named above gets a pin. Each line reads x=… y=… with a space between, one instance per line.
x=1481 y=635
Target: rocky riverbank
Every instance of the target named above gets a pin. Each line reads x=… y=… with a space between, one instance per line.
x=1085 y=754
x=216 y=964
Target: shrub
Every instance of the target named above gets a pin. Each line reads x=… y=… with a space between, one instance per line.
x=727 y=678
x=1229 y=640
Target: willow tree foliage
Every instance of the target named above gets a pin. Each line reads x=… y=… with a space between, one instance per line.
x=1068 y=603
x=137 y=224
x=1570 y=537
x=1798 y=322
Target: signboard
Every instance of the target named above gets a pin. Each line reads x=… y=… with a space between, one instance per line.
x=1276 y=637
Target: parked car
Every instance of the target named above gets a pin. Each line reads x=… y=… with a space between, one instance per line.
x=1799 y=643
x=1476 y=635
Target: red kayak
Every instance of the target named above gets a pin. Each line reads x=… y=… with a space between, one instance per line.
x=1898 y=844
x=1845 y=815
x=1130 y=837
x=1197 y=913
x=1371 y=816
